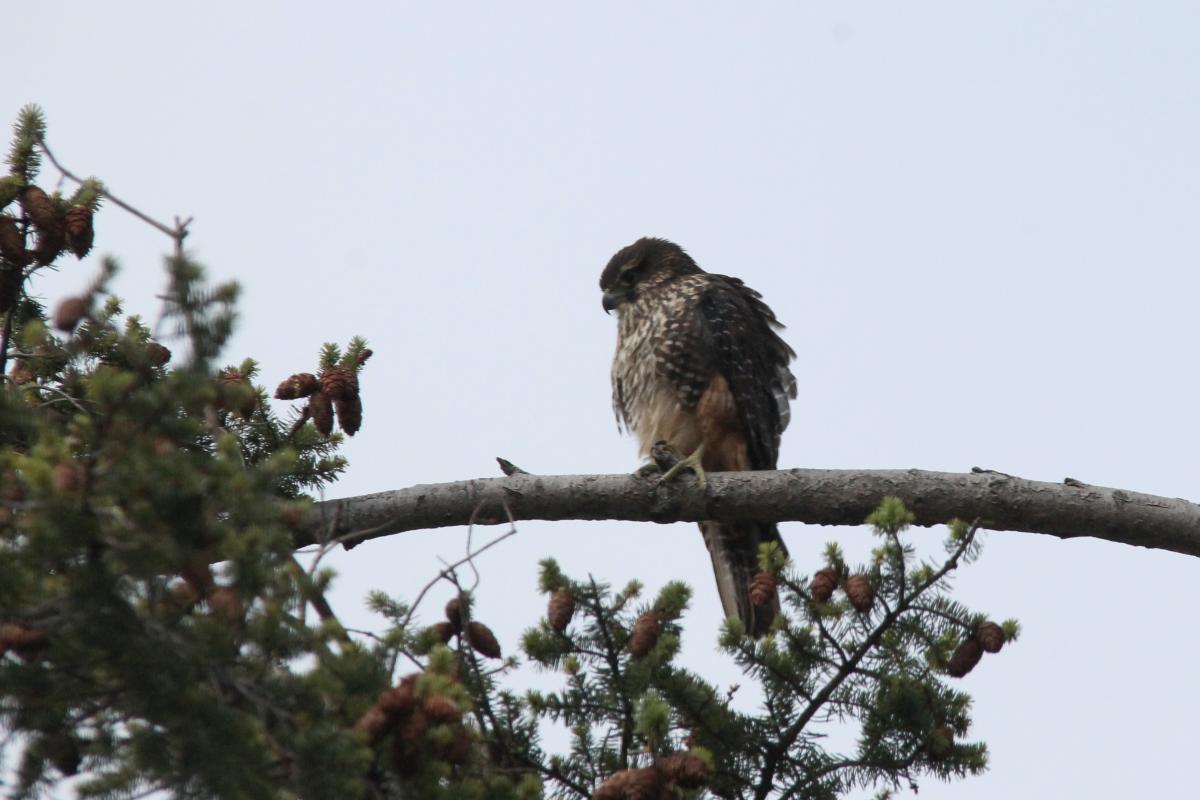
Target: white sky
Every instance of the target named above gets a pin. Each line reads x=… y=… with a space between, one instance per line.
x=978 y=221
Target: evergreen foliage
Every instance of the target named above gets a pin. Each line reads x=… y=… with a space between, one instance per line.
x=154 y=633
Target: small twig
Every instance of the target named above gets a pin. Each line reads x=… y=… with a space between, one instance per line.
x=178 y=233
x=8 y=321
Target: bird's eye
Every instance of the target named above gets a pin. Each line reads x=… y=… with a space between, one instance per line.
x=627 y=277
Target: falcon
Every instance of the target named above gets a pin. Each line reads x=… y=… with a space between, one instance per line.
x=700 y=369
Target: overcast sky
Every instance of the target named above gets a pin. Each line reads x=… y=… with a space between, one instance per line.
x=978 y=220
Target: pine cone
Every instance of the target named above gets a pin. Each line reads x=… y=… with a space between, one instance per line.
x=440 y=708
x=685 y=770
x=302 y=384
x=12 y=243
x=226 y=601
x=373 y=723
x=66 y=477
x=823 y=584
x=79 y=230
x=11 y=488
x=454 y=613
x=860 y=592
x=22 y=373
x=69 y=313
x=49 y=246
x=990 y=636
x=156 y=354
x=339 y=382
x=762 y=589
x=561 y=609
x=40 y=209
x=182 y=596
x=408 y=746
x=236 y=393
x=21 y=637
x=645 y=635
x=442 y=631
x=349 y=414
x=482 y=640
x=964 y=659
x=321 y=409
x=401 y=699
x=632 y=784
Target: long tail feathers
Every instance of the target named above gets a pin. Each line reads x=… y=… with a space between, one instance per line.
x=734 y=551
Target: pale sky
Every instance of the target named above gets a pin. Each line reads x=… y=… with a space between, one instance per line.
x=978 y=221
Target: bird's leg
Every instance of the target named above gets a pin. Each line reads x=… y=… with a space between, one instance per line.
x=692 y=463
x=663 y=456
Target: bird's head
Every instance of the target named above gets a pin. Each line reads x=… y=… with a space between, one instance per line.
x=646 y=262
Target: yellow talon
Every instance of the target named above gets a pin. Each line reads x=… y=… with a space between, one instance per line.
x=691 y=463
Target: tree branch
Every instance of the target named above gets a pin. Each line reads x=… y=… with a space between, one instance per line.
x=816 y=496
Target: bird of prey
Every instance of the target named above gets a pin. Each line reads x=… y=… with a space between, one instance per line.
x=700 y=366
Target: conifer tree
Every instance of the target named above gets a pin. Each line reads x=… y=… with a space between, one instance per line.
x=158 y=634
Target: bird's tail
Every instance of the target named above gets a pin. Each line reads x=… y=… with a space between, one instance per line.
x=733 y=547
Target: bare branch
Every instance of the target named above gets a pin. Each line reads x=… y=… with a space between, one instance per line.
x=816 y=496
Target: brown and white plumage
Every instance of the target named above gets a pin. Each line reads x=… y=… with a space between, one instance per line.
x=699 y=362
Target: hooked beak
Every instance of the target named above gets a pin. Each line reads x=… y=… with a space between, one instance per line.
x=611 y=300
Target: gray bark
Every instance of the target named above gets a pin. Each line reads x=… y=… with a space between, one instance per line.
x=816 y=496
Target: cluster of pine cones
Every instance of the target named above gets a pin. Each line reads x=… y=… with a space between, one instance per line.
x=55 y=226
x=334 y=390
x=409 y=711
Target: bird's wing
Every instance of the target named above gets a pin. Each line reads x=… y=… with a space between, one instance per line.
x=741 y=342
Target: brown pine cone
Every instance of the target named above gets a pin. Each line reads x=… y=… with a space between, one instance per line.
x=561 y=609
x=182 y=595
x=40 y=209
x=440 y=708
x=454 y=613
x=236 y=393
x=69 y=313
x=156 y=354
x=349 y=414
x=964 y=659
x=226 y=601
x=442 y=631
x=11 y=488
x=321 y=409
x=12 y=243
x=990 y=636
x=632 y=784
x=22 y=373
x=302 y=384
x=339 y=382
x=645 y=635
x=79 y=230
x=66 y=477
x=21 y=637
x=401 y=699
x=49 y=246
x=762 y=589
x=373 y=723
x=860 y=592
x=482 y=640
x=685 y=770
x=823 y=584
